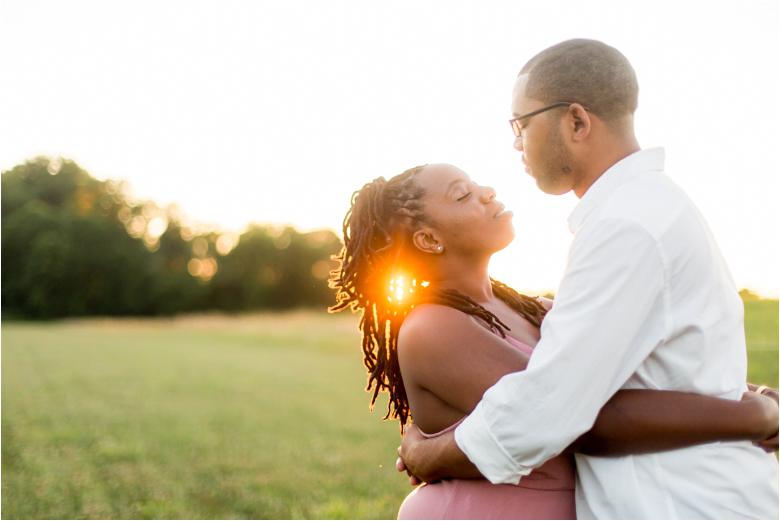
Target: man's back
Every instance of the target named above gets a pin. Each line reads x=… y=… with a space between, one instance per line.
x=646 y=302
x=696 y=324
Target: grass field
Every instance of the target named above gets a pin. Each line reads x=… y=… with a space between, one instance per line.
x=255 y=416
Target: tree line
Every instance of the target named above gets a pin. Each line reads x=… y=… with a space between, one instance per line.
x=73 y=245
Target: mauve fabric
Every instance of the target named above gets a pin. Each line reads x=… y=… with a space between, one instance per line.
x=546 y=493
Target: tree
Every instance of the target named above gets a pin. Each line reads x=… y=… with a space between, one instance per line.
x=73 y=246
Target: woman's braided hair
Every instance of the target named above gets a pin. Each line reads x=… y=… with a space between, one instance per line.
x=378 y=225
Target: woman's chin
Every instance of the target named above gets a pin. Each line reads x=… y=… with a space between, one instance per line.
x=509 y=240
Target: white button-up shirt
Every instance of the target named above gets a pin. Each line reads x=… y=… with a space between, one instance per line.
x=646 y=302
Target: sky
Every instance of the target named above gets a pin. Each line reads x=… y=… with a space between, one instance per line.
x=277 y=111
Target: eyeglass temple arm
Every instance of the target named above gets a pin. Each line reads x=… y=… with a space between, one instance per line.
x=548 y=107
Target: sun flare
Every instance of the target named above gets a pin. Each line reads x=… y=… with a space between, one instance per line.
x=401 y=287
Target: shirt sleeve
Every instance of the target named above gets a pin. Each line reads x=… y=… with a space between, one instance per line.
x=608 y=316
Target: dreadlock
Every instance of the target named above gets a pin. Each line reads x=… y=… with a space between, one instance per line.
x=380 y=221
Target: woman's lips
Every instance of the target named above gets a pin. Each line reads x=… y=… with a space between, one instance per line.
x=502 y=212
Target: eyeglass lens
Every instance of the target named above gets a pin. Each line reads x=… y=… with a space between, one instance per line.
x=516 y=127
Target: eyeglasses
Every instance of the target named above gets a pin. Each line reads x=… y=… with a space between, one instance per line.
x=515 y=122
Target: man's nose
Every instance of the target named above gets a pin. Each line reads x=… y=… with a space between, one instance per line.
x=518 y=144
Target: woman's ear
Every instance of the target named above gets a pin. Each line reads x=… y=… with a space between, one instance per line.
x=427 y=241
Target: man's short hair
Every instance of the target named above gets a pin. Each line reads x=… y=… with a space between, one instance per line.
x=587 y=72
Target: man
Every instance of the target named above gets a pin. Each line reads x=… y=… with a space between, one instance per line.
x=646 y=301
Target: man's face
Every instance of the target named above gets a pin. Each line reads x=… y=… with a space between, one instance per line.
x=545 y=154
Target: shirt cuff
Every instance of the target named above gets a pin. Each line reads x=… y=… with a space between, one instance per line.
x=474 y=438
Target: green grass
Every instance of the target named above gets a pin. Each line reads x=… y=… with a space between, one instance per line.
x=761 y=333
x=256 y=416
x=252 y=417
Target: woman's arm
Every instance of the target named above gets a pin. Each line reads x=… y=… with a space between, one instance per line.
x=447 y=353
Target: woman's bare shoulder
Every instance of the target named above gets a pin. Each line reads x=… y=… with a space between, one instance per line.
x=453 y=355
x=426 y=314
x=435 y=317
x=432 y=325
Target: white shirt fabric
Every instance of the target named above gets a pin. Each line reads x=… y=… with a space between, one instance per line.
x=646 y=302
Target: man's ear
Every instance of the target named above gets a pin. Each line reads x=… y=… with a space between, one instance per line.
x=426 y=240
x=579 y=121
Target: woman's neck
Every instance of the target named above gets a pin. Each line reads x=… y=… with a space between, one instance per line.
x=471 y=279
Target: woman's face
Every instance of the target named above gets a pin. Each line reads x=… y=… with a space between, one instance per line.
x=466 y=217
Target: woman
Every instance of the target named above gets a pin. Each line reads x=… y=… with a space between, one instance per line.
x=438 y=331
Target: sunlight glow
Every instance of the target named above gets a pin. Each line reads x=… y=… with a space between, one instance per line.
x=398 y=287
x=136 y=122
x=226 y=242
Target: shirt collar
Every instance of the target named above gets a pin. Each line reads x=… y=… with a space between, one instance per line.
x=642 y=161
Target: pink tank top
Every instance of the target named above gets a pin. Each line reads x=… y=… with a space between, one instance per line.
x=546 y=493
x=555 y=474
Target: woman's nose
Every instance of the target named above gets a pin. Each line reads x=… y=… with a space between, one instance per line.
x=518 y=144
x=488 y=194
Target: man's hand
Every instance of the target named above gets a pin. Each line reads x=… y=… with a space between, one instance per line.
x=427 y=460
x=768 y=399
x=401 y=466
x=411 y=441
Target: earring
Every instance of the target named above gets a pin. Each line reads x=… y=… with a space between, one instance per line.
x=438 y=248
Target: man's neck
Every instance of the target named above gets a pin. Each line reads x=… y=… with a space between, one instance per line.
x=605 y=157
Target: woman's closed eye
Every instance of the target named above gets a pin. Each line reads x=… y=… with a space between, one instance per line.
x=464 y=197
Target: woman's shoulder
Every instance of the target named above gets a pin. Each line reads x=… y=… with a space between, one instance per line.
x=434 y=318
x=425 y=313
x=435 y=326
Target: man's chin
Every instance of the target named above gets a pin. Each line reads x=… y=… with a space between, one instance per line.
x=541 y=182
x=550 y=188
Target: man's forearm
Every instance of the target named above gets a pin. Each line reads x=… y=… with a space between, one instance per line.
x=432 y=459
